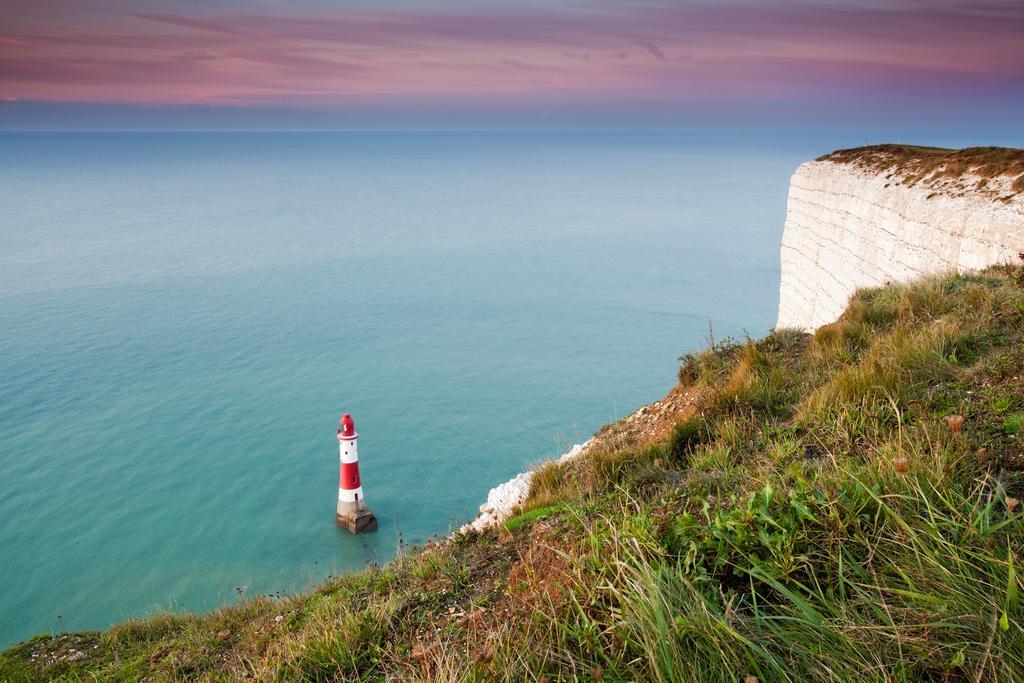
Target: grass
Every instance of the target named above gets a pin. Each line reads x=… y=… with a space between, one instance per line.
x=527 y=518
x=839 y=506
x=928 y=164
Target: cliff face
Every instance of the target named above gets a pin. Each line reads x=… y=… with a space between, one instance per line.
x=862 y=221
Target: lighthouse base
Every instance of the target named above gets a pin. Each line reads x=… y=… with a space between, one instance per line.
x=357 y=521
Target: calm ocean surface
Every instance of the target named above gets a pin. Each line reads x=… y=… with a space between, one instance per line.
x=184 y=317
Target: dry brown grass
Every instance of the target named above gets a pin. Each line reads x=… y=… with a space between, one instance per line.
x=932 y=164
x=542 y=575
x=653 y=422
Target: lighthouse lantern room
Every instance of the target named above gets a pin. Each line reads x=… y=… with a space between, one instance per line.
x=352 y=511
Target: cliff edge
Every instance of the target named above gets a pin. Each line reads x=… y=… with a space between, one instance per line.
x=869 y=216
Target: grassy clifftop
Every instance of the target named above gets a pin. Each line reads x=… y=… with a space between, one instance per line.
x=936 y=166
x=842 y=506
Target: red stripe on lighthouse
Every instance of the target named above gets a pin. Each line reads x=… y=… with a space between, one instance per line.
x=349 y=475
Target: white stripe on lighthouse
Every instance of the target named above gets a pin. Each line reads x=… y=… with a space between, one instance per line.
x=350 y=495
x=349 y=450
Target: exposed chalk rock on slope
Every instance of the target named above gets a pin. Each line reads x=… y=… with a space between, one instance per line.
x=866 y=217
x=503 y=499
x=644 y=425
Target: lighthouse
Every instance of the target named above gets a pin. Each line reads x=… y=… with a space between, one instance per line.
x=352 y=511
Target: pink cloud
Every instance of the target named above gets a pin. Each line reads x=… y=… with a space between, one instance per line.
x=686 y=51
x=185 y=22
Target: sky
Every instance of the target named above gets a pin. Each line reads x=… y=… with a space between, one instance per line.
x=453 y=63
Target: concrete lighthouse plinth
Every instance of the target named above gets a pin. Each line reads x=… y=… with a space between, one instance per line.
x=357 y=521
x=352 y=511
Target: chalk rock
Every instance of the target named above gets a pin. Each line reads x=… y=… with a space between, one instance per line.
x=847 y=228
x=503 y=499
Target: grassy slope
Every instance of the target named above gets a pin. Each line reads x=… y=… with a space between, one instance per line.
x=836 y=507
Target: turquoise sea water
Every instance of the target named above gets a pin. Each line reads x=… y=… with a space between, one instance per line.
x=184 y=317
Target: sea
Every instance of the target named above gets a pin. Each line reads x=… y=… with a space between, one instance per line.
x=184 y=317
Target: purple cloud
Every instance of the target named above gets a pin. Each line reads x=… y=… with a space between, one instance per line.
x=651 y=48
x=701 y=49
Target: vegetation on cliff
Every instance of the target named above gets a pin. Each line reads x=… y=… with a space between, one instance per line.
x=936 y=166
x=842 y=506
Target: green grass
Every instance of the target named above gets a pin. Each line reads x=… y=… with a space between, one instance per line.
x=1014 y=424
x=527 y=518
x=841 y=506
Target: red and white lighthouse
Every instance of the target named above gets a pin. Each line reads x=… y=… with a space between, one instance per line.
x=352 y=511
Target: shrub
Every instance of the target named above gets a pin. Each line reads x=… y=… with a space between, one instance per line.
x=686 y=436
x=709 y=366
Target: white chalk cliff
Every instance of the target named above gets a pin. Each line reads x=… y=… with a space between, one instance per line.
x=504 y=499
x=849 y=227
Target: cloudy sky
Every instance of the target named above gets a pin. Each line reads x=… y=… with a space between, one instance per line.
x=603 y=61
